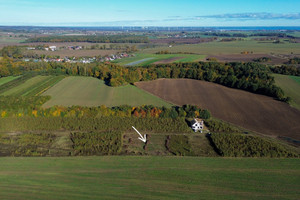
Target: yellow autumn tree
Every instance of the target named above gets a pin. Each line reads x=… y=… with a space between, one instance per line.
x=3 y=114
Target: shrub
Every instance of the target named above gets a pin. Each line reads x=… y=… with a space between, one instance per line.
x=215 y=125
x=96 y=143
x=179 y=145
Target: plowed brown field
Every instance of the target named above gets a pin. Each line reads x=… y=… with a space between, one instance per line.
x=254 y=112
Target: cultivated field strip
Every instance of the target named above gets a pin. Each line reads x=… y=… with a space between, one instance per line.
x=251 y=111
x=14 y=83
x=33 y=86
x=44 y=86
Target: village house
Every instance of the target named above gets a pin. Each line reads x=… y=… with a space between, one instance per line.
x=52 y=48
x=197 y=125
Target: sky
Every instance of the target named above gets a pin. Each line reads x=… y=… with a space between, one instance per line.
x=150 y=12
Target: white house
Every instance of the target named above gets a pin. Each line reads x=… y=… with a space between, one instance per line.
x=52 y=48
x=197 y=125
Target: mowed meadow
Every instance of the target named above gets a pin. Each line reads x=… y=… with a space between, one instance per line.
x=88 y=91
x=133 y=177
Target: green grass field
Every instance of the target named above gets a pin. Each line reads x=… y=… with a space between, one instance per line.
x=88 y=91
x=120 y=177
x=235 y=47
x=5 y=40
x=4 y=80
x=291 y=87
x=296 y=78
x=295 y=34
x=33 y=86
x=152 y=58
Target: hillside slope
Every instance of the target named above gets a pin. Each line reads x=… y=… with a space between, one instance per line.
x=251 y=111
x=88 y=91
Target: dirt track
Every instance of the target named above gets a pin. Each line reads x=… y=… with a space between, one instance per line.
x=251 y=111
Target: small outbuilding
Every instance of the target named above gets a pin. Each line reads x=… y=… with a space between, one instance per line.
x=197 y=125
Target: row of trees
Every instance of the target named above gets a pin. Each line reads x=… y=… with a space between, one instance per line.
x=286 y=70
x=294 y=60
x=99 y=124
x=32 y=106
x=93 y=39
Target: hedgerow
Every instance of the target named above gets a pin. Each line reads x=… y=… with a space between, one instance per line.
x=239 y=145
x=110 y=123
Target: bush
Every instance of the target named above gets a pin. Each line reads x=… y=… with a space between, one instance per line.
x=96 y=143
x=179 y=145
x=215 y=125
x=26 y=144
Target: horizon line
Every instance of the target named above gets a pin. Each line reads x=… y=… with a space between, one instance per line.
x=136 y=26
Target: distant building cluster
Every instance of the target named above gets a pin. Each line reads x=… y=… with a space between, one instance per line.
x=85 y=60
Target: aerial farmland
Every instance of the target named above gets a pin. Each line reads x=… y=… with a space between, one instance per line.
x=149 y=100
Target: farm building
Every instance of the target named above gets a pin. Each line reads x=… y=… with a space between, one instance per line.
x=197 y=125
x=52 y=48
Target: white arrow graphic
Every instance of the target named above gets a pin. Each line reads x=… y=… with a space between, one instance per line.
x=144 y=139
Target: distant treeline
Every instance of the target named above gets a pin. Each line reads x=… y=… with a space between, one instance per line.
x=266 y=34
x=262 y=59
x=226 y=34
x=295 y=60
x=252 y=77
x=93 y=39
x=286 y=70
